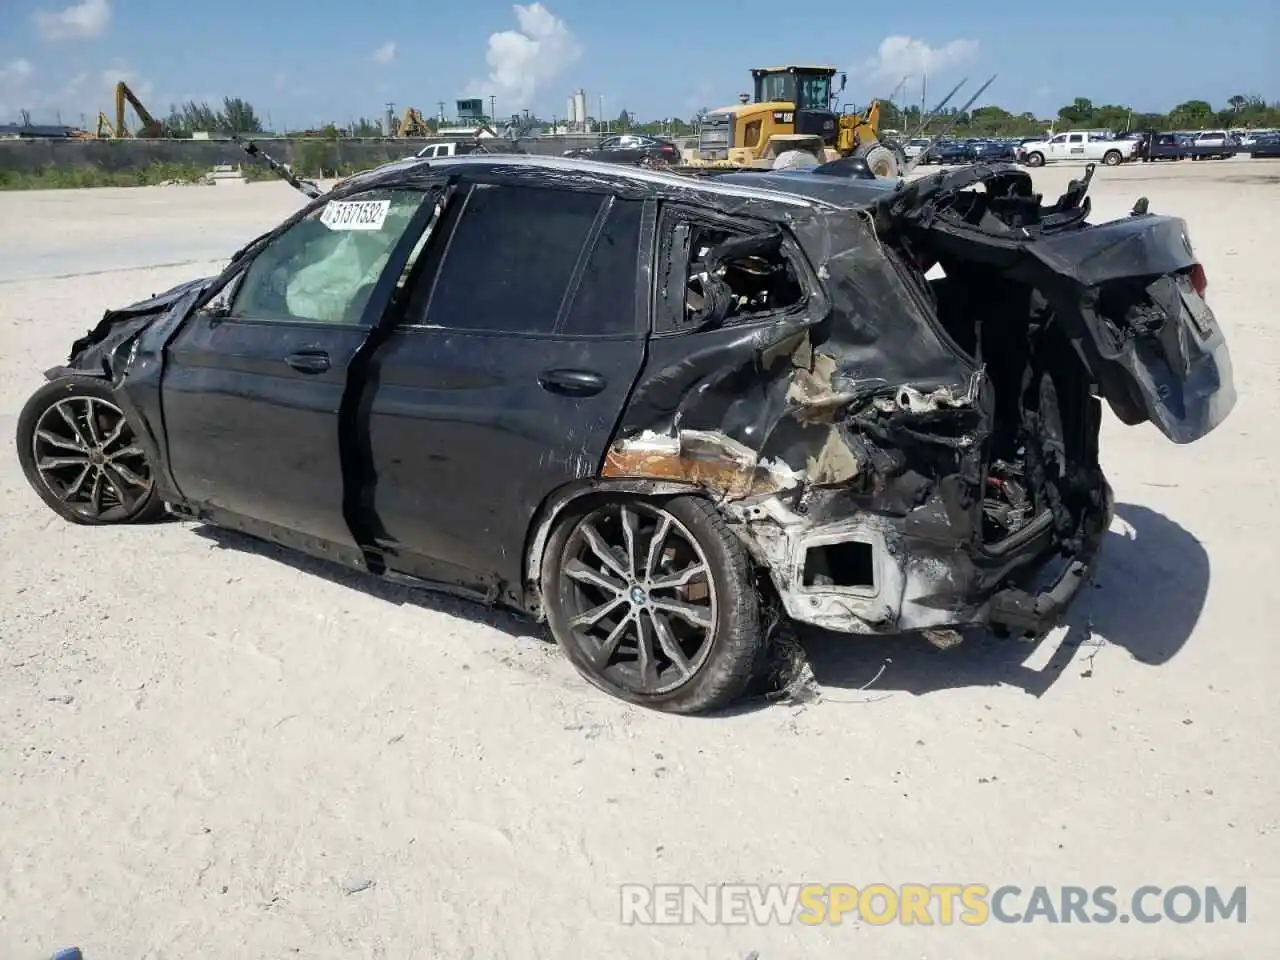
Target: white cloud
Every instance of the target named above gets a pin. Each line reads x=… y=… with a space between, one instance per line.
x=385 y=53
x=87 y=19
x=521 y=61
x=15 y=73
x=15 y=94
x=897 y=57
x=141 y=88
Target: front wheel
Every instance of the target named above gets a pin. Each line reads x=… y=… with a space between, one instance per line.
x=882 y=160
x=1035 y=159
x=653 y=601
x=80 y=453
x=1112 y=158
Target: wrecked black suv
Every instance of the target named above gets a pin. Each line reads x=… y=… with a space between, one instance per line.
x=656 y=410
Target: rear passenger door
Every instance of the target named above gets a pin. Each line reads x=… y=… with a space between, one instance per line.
x=522 y=337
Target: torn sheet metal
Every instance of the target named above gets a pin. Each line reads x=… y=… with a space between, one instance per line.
x=718 y=463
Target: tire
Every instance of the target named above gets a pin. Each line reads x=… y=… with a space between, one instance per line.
x=1112 y=158
x=1035 y=159
x=74 y=421
x=609 y=598
x=882 y=160
x=795 y=160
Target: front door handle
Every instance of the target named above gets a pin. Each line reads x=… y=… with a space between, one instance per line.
x=308 y=361
x=571 y=383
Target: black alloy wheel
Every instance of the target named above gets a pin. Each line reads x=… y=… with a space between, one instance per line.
x=81 y=455
x=653 y=602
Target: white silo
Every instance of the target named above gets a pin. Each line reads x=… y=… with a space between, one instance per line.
x=569 y=118
x=580 y=108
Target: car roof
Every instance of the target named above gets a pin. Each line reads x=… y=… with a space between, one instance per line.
x=763 y=187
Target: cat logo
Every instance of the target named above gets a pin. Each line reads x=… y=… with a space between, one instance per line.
x=783 y=116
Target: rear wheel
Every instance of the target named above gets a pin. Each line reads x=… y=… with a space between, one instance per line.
x=653 y=601
x=80 y=453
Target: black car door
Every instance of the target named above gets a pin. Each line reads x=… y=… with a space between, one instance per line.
x=518 y=349
x=632 y=149
x=253 y=383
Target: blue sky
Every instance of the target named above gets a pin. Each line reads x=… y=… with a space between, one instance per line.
x=340 y=60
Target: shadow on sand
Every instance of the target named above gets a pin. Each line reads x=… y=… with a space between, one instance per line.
x=375 y=587
x=1146 y=597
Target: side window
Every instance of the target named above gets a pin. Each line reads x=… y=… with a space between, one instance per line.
x=324 y=267
x=511 y=258
x=606 y=299
x=709 y=275
x=1060 y=138
x=1076 y=138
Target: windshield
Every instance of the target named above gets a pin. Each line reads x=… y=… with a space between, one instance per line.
x=808 y=91
x=814 y=92
x=776 y=86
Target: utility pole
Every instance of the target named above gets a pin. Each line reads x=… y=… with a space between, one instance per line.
x=603 y=122
x=440 y=104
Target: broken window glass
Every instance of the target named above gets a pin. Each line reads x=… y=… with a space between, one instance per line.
x=734 y=276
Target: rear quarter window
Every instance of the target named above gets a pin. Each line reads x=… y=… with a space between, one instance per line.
x=605 y=302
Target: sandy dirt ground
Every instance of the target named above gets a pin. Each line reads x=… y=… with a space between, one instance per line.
x=214 y=749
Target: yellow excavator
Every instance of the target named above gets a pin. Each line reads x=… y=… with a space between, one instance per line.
x=790 y=111
x=412 y=125
x=148 y=125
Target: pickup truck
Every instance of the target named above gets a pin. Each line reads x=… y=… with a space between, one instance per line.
x=1092 y=147
x=464 y=146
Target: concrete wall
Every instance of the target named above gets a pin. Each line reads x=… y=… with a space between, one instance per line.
x=31 y=156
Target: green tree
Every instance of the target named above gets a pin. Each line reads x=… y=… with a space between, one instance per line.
x=1192 y=113
x=238 y=116
x=1078 y=113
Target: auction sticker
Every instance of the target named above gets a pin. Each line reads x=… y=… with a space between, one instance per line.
x=355 y=214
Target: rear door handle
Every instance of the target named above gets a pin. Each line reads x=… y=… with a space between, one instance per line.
x=308 y=361
x=571 y=383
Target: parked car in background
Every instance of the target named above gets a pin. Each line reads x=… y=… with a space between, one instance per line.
x=1156 y=146
x=465 y=146
x=913 y=148
x=1265 y=145
x=948 y=152
x=991 y=150
x=629 y=148
x=1213 y=145
x=1077 y=145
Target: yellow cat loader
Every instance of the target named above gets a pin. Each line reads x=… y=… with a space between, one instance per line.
x=790 y=113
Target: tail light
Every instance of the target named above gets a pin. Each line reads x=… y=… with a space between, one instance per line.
x=1199 y=281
